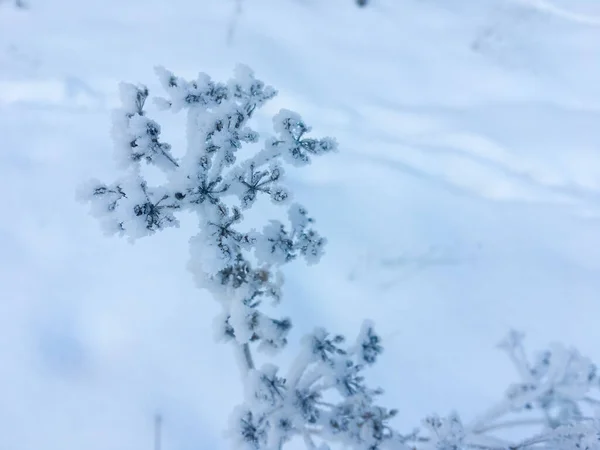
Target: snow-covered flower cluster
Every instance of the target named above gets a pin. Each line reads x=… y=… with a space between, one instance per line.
x=559 y=382
x=558 y=392
x=323 y=398
x=218 y=180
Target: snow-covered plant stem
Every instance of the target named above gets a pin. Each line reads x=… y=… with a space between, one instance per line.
x=226 y=169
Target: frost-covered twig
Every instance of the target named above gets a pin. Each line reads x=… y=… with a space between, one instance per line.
x=508 y=424
x=557 y=388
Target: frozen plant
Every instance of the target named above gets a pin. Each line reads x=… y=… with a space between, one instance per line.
x=555 y=403
x=224 y=172
x=322 y=398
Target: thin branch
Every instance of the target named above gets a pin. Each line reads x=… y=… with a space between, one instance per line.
x=308 y=440
x=248 y=356
x=591 y=400
x=492 y=414
x=529 y=442
x=329 y=405
x=170 y=158
x=508 y=424
x=244 y=359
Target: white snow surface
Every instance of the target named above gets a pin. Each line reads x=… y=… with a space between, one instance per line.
x=464 y=200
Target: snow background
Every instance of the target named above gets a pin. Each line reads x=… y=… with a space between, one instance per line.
x=465 y=201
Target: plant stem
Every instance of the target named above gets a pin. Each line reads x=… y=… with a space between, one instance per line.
x=508 y=424
x=248 y=356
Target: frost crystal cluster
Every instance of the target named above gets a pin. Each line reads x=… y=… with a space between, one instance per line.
x=322 y=398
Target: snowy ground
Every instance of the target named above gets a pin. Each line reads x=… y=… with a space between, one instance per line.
x=465 y=200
